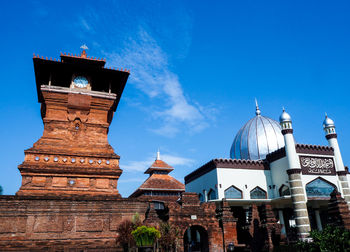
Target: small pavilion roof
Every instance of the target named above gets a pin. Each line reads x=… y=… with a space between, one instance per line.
x=159 y=165
x=160 y=182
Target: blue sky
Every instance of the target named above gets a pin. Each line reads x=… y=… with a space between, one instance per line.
x=196 y=67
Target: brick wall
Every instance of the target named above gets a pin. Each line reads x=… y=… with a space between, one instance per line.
x=59 y=223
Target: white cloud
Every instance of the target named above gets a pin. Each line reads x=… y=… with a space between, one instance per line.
x=172 y=160
x=152 y=75
x=137 y=165
x=147 y=45
x=84 y=24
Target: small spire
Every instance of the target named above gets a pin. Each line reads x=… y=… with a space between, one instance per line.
x=283 y=109
x=158 y=155
x=257 y=110
x=326 y=114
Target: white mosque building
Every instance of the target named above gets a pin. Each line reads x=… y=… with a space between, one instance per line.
x=267 y=166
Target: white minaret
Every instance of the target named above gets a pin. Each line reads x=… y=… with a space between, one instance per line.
x=297 y=191
x=331 y=136
x=287 y=131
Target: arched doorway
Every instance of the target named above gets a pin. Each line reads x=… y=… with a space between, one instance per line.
x=196 y=239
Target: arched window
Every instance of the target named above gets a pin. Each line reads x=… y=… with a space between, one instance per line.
x=233 y=193
x=284 y=190
x=211 y=194
x=158 y=205
x=319 y=188
x=201 y=198
x=257 y=193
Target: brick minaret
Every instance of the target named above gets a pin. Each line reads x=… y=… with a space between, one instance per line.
x=78 y=97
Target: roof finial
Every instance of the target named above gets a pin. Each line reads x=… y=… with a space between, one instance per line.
x=257 y=110
x=83 y=53
x=326 y=114
x=158 y=155
x=283 y=109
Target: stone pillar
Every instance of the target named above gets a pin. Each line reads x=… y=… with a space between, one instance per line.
x=318 y=220
x=299 y=203
x=228 y=224
x=283 y=226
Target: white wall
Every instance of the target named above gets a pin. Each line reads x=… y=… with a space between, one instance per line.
x=279 y=174
x=220 y=179
x=205 y=182
x=241 y=178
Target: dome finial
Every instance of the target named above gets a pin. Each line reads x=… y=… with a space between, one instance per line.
x=328 y=122
x=285 y=117
x=158 y=155
x=257 y=110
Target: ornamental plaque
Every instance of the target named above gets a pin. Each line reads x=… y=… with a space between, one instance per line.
x=311 y=165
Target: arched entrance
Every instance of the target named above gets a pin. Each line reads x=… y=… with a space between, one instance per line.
x=196 y=239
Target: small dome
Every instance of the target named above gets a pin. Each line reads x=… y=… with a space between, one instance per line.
x=257 y=138
x=328 y=122
x=285 y=117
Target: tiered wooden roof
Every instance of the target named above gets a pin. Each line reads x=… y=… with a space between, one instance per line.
x=159 y=183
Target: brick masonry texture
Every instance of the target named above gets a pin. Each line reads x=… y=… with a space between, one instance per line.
x=73 y=157
x=59 y=223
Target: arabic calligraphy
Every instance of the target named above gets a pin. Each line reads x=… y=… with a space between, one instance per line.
x=317 y=165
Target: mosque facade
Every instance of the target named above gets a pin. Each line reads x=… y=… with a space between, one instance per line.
x=267 y=166
x=69 y=199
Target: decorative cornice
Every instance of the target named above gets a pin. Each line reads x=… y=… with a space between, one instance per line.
x=314 y=149
x=278 y=154
x=226 y=163
x=240 y=164
x=293 y=171
x=287 y=131
x=302 y=149
x=342 y=173
x=67 y=90
x=50 y=170
x=329 y=136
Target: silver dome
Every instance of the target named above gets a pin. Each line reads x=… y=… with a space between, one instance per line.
x=257 y=138
x=285 y=117
x=328 y=122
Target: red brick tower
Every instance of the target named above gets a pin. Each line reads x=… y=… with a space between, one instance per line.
x=78 y=97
